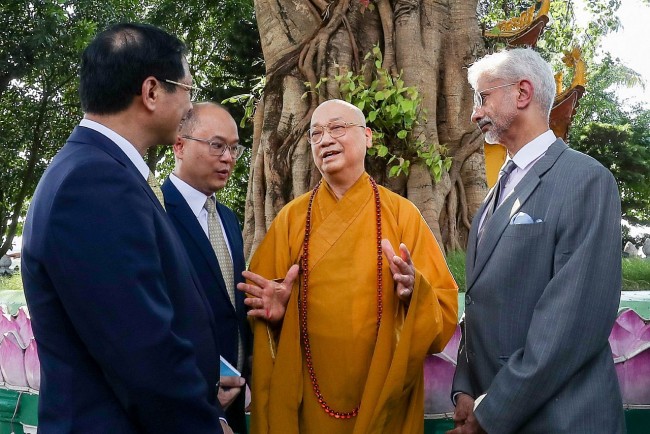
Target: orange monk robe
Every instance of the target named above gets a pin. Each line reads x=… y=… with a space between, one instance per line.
x=354 y=365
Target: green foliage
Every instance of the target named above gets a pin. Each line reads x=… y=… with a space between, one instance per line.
x=393 y=112
x=248 y=100
x=225 y=58
x=233 y=195
x=456 y=264
x=13 y=282
x=616 y=135
x=39 y=104
x=41 y=43
x=603 y=127
x=636 y=273
x=625 y=150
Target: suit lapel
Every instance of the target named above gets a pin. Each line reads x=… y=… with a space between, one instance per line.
x=178 y=209
x=479 y=255
x=88 y=136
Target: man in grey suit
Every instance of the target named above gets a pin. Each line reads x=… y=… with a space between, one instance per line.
x=543 y=271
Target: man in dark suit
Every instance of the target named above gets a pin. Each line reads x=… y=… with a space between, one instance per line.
x=206 y=150
x=126 y=338
x=543 y=271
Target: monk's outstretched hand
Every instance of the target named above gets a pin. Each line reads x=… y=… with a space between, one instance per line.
x=268 y=298
x=402 y=268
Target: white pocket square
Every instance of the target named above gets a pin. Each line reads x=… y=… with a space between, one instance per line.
x=521 y=218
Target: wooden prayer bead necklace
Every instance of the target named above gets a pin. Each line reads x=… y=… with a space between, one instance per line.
x=302 y=301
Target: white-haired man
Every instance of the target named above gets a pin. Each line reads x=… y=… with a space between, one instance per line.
x=543 y=270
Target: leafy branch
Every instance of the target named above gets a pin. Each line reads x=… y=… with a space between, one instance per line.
x=394 y=112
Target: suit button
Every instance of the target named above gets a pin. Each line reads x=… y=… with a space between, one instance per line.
x=468 y=299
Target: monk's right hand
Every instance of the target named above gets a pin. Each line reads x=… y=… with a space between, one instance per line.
x=268 y=299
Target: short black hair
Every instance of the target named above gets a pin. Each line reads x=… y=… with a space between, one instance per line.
x=119 y=59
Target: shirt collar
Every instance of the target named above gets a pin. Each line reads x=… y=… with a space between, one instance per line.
x=194 y=198
x=534 y=149
x=121 y=142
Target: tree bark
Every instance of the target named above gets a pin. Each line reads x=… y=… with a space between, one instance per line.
x=431 y=43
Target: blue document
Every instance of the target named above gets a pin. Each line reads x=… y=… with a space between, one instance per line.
x=228 y=370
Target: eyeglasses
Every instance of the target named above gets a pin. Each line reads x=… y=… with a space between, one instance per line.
x=334 y=129
x=478 y=96
x=193 y=90
x=218 y=148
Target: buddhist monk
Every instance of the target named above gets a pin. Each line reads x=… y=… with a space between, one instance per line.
x=342 y=321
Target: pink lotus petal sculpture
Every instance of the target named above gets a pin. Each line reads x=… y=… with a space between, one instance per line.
x=12 y=362
x=24 y=323
x=32 y=366
x=8 y=325
x=630 y=342
x=438 y=375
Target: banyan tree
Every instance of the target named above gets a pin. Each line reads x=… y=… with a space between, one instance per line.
x=404 y=63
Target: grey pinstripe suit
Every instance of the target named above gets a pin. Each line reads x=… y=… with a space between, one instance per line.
x=541 y=301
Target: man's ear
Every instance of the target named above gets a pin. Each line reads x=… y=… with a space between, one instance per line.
x=150 y=92
x=526 y=93
x=179 y=147
x=368 y=133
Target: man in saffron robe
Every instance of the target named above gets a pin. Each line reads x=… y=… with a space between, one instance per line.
x=340 y=348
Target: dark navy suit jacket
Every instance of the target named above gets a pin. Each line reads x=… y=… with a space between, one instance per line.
x=228 y=319
x=126 y=338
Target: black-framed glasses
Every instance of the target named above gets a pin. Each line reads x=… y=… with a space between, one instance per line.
x=192 y=90
x=218 y=148
x=478 y=96
x=334 y=129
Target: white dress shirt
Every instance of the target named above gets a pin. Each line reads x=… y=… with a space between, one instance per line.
x=524 y=159
x=126 y=146
x=196 y=201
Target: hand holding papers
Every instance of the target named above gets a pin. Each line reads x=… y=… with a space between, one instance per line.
x=230 y=383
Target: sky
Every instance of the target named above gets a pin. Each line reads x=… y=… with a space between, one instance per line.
x=629 y=45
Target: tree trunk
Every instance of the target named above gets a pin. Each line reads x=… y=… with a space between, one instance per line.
x=431 y=43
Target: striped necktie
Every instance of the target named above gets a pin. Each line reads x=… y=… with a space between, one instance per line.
x=493 y=204
x=220 y=247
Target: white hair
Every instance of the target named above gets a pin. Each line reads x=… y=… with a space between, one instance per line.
x=514 y=65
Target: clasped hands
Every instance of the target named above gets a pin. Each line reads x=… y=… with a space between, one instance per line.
x=269 y=298
x=464 y=420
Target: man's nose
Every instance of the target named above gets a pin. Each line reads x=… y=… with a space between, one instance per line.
x=477 y=113
x=327 y=138
x=227 y=156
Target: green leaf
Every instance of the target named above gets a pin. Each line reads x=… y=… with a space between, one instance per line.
x=402 y=134
x=382 y=151
x=407 y=105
